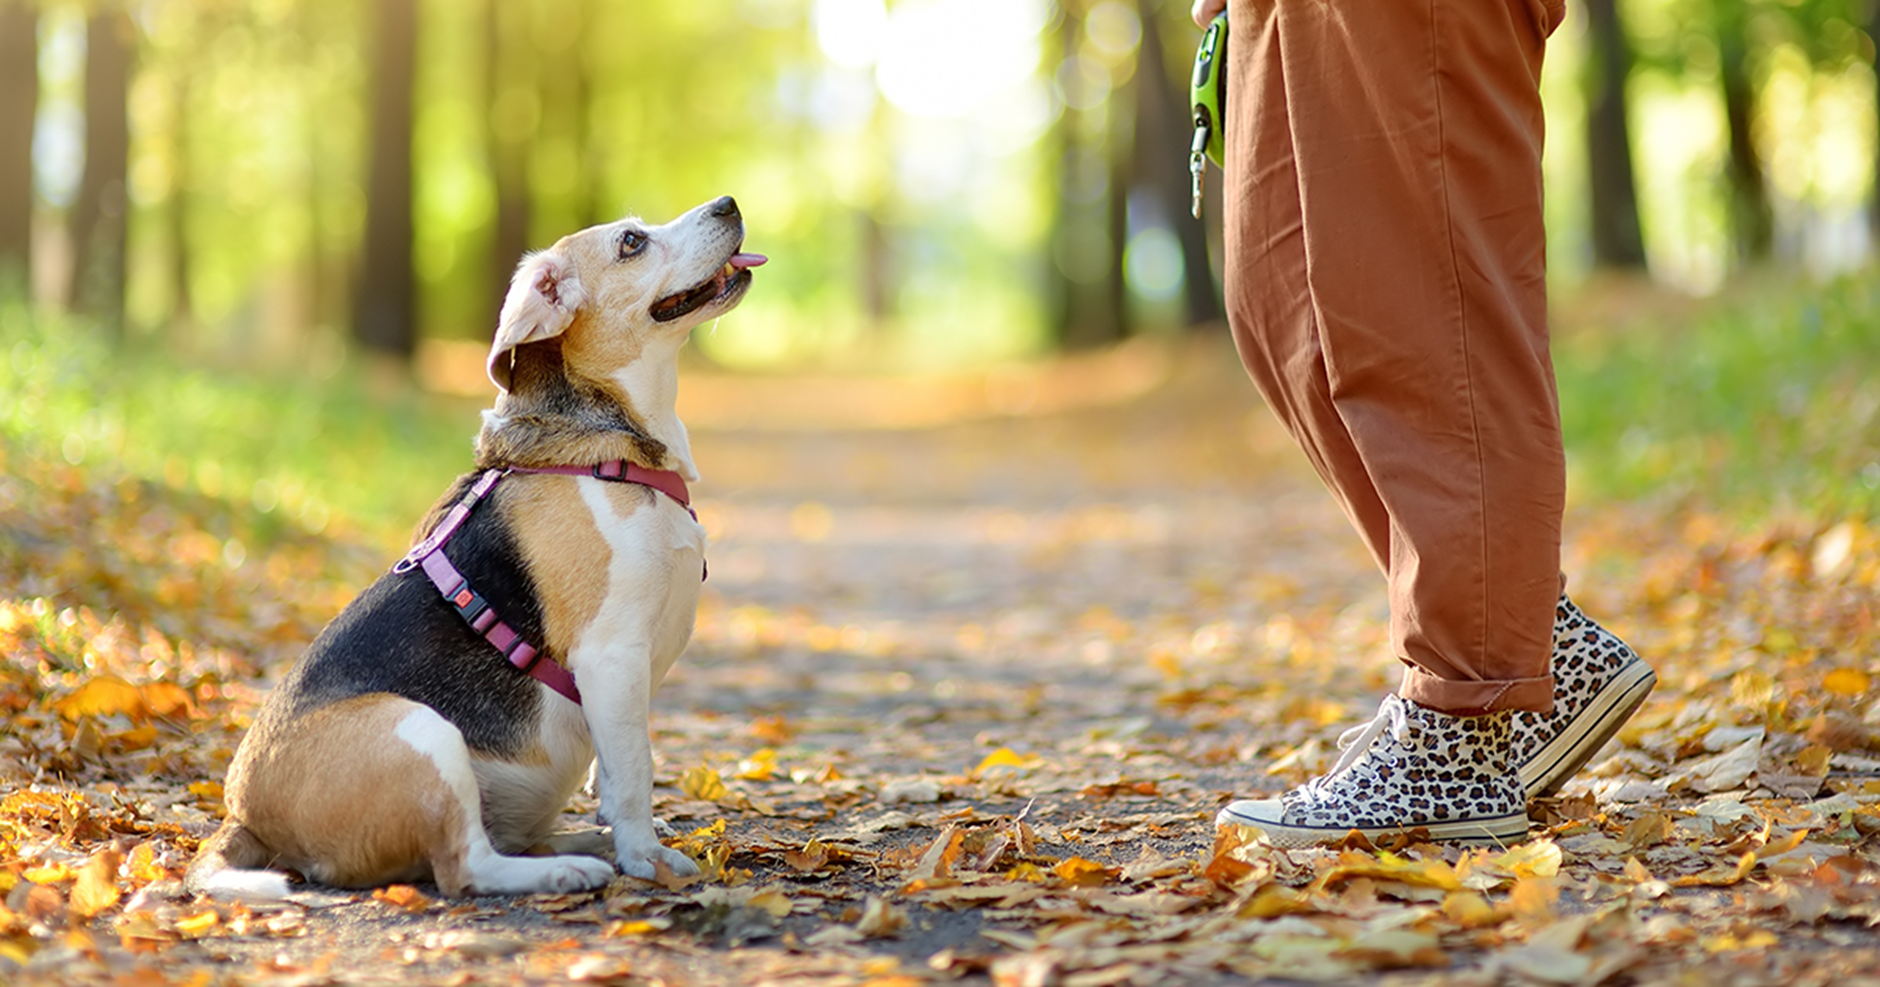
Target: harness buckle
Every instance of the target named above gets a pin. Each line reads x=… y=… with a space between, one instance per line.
x=469 y=604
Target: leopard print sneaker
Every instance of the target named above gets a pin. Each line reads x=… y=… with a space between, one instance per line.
x=1410 y=768
x=1598 y=684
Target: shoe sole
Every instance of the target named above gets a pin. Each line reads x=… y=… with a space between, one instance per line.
x=1498 y=830
x=1566 y=754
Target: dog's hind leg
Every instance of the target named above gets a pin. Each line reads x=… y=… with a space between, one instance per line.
x=227 y=867
x=464 y=860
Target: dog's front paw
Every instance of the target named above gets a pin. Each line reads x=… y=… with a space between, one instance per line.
x=640 y=862
x=577 y=873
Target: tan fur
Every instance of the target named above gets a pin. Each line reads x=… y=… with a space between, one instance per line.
x=565 y=553
x=314 y=795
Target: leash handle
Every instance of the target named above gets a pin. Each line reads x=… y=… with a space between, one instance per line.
x=1207 y=90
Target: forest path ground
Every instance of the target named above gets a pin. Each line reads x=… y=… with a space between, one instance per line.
x=964 y=698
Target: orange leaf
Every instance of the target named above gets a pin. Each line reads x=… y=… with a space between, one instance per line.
x=143 y=864
x=811 y=858
x=1849 y=682
x=194 y=926
x=105 y=695
x=1083 y=873
x=96 y=888
x=164 y=698
x=403 y=896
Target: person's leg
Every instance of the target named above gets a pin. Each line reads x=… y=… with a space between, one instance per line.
x=1387 y=292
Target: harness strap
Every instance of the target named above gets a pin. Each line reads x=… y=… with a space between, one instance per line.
x=474 y=608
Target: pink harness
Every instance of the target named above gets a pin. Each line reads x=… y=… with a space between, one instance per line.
x=473 y=608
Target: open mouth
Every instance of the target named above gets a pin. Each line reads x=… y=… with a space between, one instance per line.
x=730 y=278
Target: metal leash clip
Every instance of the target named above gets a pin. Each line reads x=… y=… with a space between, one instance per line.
x=1208 y=95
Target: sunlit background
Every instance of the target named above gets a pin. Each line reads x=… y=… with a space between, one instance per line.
x=938 y=182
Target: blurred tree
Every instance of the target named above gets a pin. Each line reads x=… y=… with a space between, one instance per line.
x=1752 y=221
x=385 y=309
x=19 y=103
x=100 y=218
x=1163 y=133
x=1617 y=240
x=1873 y=63
x=513 y=108
x=1091 y=224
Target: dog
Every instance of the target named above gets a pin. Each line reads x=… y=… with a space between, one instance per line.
x=438 y=726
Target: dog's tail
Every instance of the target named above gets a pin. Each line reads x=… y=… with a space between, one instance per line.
x=229 y=866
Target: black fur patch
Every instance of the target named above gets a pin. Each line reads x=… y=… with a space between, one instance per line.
x=400 y=636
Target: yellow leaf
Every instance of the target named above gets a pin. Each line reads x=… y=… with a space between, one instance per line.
x=1083 y=873
x=96 y=888
x=1533 y=898
x=1850 y=682
x=163 y=698
x=105 y=695
x=1468 y=909
x=196 y=925
x=711 y=832
x=1731 y=943
x=1025 y=871
x=1390 y=867
x=1540 y=858
x=702 y=783
x=143 y=864
x=637 y=927
x=57 y=872
x=761 y=766
x=135 y=739
x=775 y=903
x=1813 y=761
x=1005 y=757
x=1276 y=900
x=207 y=791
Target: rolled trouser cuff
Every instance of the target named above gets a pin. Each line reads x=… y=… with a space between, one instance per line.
x=1534 y=695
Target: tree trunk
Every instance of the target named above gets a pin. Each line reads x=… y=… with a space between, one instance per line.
x=509 y=71
x=1086 y=238
x=100 y=217
x=182 y=298
x=19 y=103
x=1163 y=133
x=1873 y=200
x=385 y=309
x=1617 y=242
x=1751 y=220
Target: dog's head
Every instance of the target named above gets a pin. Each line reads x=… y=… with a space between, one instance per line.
x=608 y=291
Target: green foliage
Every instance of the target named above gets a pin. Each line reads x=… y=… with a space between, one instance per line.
x=1764 y=401
x=303 y=450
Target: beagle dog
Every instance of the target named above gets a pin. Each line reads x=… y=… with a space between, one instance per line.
x=437 y=727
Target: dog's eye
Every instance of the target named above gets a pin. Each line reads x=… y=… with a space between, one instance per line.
x=631 y=242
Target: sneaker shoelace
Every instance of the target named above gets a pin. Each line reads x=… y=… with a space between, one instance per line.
x=1358 y=741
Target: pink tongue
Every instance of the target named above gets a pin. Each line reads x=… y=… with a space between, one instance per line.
x=742 y=261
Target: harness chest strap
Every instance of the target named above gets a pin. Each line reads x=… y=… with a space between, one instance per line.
x=471 y=605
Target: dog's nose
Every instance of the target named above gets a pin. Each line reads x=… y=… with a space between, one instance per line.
x=726 y=207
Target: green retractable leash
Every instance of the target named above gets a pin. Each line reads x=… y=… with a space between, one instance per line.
x=1208 y=92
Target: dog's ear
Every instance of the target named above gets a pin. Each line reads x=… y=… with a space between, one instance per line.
x=543 y=298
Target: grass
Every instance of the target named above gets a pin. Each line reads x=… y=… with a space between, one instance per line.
x=306 y=452
x=1764 y=401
